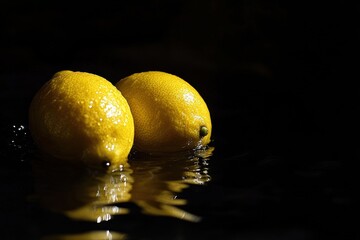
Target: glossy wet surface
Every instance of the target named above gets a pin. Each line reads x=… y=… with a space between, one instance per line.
x=212 y=192
x=154 y=184
x=279 y=82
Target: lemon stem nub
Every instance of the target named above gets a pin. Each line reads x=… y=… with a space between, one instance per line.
x=203 y=131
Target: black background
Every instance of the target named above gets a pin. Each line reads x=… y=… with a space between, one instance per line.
x=279 y=79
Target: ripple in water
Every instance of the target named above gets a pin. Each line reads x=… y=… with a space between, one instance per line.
x=105 y=235
x=152 y=183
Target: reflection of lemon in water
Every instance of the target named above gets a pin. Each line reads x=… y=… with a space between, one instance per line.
x=78 y=193
x=91 y=235
x=169 y=114
x=79 y=115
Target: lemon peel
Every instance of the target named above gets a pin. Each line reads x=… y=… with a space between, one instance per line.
x=169 y=114
x=82 y=116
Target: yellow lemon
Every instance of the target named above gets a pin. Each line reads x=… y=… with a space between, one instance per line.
x=169 y=114
x=82 y=116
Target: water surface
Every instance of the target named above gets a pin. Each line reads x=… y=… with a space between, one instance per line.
x=72 y=194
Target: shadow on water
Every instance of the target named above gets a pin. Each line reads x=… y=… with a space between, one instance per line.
x=152 y=183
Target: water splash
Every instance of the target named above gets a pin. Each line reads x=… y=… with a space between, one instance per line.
x=19 y=144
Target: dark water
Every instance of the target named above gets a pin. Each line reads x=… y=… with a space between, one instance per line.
x=280 y=83
x=222 y=192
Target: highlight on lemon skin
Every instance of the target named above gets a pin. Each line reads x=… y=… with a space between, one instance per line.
x=169 y=114
x=82 y=116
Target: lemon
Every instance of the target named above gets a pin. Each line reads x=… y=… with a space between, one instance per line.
x=169 y=114
x=82 y=116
